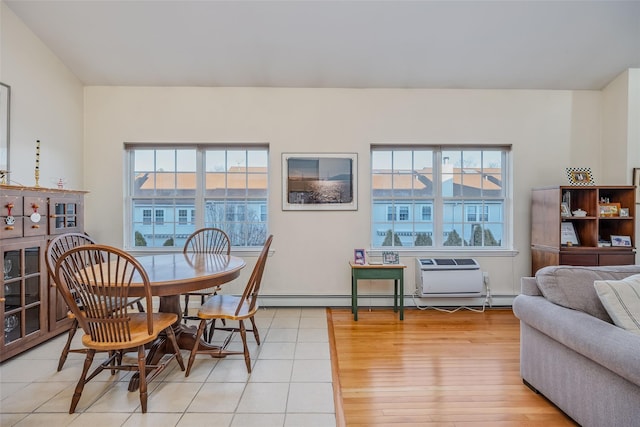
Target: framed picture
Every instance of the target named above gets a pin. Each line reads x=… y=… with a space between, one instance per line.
x=359 y=257
x=621 y=241
x=636 y=182
x=624 y=212
x=568 y=234
x=325 y=181
x=5 y=105
x=564 y=209
x=580 y=176
x=390 y=257
x=609 y=209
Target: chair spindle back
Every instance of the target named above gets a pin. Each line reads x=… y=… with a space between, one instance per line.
x=212 y=240
x=100 y=278
x=252 y=289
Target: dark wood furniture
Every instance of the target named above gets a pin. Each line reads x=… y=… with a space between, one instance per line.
x=100 y=277
x=211 y=240
x=593 y=231
x=393 y=272
x=234 y=309
x=31 y=310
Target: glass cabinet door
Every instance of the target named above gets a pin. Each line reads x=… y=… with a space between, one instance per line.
x=22 y=291
x=65 y=214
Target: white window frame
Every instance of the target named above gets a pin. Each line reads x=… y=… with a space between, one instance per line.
x=197 y=217
x=437 y=234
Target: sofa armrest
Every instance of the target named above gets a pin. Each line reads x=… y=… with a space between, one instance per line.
x=606 y=344
x=529 y=286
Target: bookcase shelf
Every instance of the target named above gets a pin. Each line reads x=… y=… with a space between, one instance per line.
x=558 y=239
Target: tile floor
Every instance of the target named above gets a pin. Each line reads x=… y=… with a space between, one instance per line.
x=290 y=385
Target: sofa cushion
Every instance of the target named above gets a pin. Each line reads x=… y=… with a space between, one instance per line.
x=621 y=299
x=572 y=287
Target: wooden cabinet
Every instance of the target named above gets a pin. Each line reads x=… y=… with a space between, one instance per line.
x=32 y=310
x=558 y=237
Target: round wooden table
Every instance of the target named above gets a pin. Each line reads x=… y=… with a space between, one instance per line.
x=172 y=275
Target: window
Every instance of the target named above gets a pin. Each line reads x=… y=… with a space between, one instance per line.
x=439 y=197
x=146 y=216
x=159 y=217
x=182 y=216
x=172 y=191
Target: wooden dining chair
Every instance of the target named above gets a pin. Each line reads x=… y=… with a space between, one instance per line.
x=205 y=240
x=96 y=280
x=232 y=308
x=55 y=248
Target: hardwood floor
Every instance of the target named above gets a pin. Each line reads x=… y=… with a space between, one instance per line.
x=432 y=369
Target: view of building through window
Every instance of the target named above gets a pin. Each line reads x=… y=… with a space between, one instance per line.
x=426 y=196
x=174 y=191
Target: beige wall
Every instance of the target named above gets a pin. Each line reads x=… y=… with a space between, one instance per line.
x=549 y=130
x=312 y=248
x=46 y=104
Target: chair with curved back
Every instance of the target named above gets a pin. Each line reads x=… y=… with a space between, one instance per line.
x=235 y=308
x=55 y=248
x=100 y=278
x=205 y=240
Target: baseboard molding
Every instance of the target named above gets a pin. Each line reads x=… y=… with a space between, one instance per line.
x=372 y=301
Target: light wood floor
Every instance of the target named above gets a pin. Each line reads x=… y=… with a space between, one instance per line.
x=432 y=369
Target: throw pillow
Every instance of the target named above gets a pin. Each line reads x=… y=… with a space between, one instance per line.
x=621 y=299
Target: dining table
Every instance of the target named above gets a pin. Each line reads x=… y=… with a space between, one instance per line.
x=173 y=274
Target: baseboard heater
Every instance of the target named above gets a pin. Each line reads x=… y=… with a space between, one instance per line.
x=448 y=277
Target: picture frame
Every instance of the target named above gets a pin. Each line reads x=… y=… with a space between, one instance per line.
x=564 y=209
x=636 y=181
x=359 y=257
x=624 y=241
x=624 y=212
x=568 y=235
x=390 y=257
x=5 y=116
x=319 y=181
x=580 y=176
x=609 y=209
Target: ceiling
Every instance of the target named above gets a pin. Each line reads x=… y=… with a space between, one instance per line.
x=348 y=44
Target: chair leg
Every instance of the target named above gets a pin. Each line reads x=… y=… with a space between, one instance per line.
x=140 y=307
x=142 y=369
x=212 y=328
x=243 y=334
x=186 y=308
x=174 y=342
x=196 y=346
x=67 y=346
x=82 y=381
x=255 y=329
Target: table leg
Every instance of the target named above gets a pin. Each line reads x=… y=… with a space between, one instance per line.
x=401 y=296
x=354 y=296
x=395 y=296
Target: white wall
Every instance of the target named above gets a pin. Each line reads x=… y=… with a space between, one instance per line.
x=549 y=130
x=46 y=104
x=312 y=249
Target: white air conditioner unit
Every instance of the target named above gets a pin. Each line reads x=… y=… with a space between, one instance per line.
x=448 y=277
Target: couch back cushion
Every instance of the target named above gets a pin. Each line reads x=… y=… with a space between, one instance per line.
x=572 y=287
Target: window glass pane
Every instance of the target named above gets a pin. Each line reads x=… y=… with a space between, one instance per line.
x=470 y=210
x=165 y=182
x=381 y=161
x=166 y=160
x=403 y=161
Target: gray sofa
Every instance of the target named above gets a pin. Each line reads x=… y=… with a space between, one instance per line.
x=572 y=353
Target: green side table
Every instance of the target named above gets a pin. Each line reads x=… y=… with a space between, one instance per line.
x=393 y=272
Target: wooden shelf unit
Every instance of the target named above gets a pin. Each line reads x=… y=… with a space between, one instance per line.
x=591 y=230
x=32 y=310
